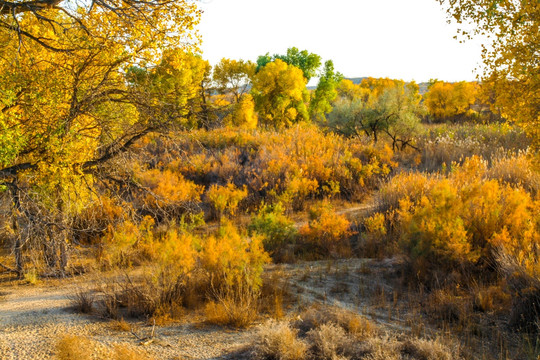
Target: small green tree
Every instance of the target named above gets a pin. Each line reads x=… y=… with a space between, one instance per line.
x=321 y=102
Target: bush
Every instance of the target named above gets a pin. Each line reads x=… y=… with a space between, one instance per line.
x=278 y=230
x=330 y=341
x=461 y=220
x=225 y=199
x=291 y=165
x=72 y=347
x=83 y=300
x=120 y=243
x=317 y=335
x=233 y=259
x=327 y=232
x=277 y=340
x=168 y=195
x=444 y=145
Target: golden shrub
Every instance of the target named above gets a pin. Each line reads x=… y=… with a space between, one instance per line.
x=232 y=258
x=327 y=231
x=225 y=199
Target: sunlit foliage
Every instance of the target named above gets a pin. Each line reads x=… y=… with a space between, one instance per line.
x=450 y=101
x=466 y=218
x=279 y=94
x=511 y=59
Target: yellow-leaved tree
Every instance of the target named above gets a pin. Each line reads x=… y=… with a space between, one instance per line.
x=450 y=101
x=279 y=94
x=511 y=59
x=66 y=108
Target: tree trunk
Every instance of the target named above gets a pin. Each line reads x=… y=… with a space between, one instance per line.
x=16 y=224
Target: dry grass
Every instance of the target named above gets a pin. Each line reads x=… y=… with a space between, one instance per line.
x=277 y=340
x=330 y=341
x=83 y=300
x=72 y=347
x=120 y=325
x=123 y=352
x=517 y=171
x=444 y=306
x=231 y=311
x=427 y=349
x=354 y=337
x=316 y=316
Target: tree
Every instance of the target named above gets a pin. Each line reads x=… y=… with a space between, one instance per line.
x=348 y=90
x=176 y=89
x=233 y=76
x=511 y=60
x=450 y=101
x=308 y=62
x=64 y=97
x=326 y=91
x=395 y=113
x=278 y=91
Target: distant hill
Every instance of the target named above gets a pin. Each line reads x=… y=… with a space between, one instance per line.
x=357 y=80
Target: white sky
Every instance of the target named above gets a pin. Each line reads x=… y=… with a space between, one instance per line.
x=402 y=39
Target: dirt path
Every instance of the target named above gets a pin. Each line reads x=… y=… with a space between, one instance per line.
x=33 y=318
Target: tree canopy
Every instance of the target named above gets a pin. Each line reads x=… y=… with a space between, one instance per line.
x=512 y=59
x=308 y=62
x=66 y=107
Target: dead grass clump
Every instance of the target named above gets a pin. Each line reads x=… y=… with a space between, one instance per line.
x=237 y=310
x=331 y=341
x=154 y=294
x=120 y=325
x=337 y=334
x=124 y=352
x=353 y=323
x=492 y=299
x=83 y=300
x=516 y=171
x=360 y=326
x=422 y=349
x=277 y=340
x=73 y=347
x=444 y=306
x=413 y=185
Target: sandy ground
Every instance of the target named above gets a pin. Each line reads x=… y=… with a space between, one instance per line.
x=33 y=318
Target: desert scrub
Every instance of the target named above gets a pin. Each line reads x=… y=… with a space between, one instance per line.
x=225 y=199
x=462 y=219
x=231 y=257
x=326 y=233
x=290 y=165
x=276 y=228
x=445 y=144
x=322 y=333
x=277 y=340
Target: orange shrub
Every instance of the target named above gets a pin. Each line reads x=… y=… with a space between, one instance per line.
x=464 y=218
x=225 y=199
x=327 y=231
x=169 y=193
x=290 y=165
x=233 y=259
